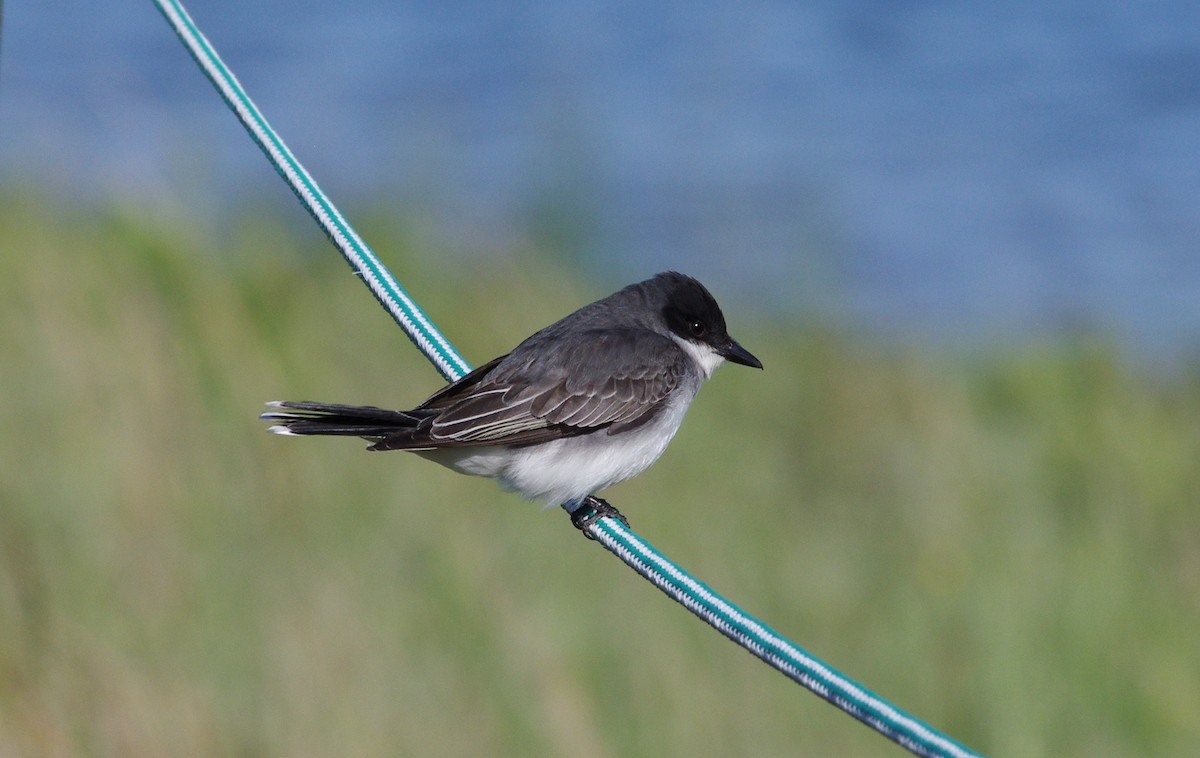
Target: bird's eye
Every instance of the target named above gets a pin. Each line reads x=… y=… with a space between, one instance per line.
x=698 y=328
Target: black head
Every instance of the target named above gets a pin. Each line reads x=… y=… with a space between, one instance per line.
x=692 y=314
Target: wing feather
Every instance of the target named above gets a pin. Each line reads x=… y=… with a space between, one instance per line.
x=604 y=378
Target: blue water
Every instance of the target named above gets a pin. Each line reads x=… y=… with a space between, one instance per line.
x=959 y=172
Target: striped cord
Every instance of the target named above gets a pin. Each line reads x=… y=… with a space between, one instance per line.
x=428 y=339
x=772 y=648
x=756 y=637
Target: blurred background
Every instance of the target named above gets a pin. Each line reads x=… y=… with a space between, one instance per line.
x=963 y=240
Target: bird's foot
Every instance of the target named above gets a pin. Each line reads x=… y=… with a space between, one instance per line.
x=591 y=510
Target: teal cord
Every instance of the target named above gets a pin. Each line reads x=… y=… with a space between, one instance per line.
x=361 y=258
x=756 y=637
x=773 y=648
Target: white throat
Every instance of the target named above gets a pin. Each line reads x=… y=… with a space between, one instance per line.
x=705 y=357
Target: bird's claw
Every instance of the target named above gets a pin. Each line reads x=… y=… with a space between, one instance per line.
x=592 y=510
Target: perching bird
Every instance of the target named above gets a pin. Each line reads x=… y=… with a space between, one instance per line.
x=587 y=402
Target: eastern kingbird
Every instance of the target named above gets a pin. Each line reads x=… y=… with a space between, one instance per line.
x=587 y=402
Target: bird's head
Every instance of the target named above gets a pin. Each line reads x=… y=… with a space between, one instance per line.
x=695 y=321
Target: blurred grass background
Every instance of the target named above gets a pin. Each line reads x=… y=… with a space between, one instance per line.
x=1004 y=543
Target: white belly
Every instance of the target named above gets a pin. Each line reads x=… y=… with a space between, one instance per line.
x=568 y=469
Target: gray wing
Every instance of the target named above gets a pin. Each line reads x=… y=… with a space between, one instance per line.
x=614 y=379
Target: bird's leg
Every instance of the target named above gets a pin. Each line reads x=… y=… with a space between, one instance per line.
x=590 y=510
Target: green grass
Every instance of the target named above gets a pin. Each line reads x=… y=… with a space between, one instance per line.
x=1006 y=544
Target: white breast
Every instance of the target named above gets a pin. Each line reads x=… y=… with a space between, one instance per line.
x=568 y=469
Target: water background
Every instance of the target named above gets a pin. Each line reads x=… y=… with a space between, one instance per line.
x=966 y=173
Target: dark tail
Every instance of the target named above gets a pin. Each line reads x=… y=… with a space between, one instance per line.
x=369 y=422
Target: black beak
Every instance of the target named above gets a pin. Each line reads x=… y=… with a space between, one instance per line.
x=734 y=352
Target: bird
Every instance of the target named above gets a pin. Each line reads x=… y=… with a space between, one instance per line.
x=585 y=403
